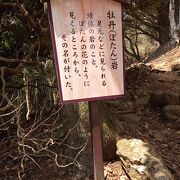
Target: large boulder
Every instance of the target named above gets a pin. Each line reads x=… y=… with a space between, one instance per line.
x=141 y=157
x=134 y=150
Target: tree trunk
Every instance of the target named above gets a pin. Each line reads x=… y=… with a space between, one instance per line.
x=163 y=22
x=174 y=28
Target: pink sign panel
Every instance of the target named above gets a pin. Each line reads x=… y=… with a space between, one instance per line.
x=88 y=46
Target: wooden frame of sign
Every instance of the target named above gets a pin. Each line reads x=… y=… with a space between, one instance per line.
x=87 y=38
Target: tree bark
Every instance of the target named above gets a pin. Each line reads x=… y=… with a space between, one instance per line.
x=164 y=24
x=174 y=33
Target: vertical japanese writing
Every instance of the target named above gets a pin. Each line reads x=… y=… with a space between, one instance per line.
x=74 y=43
x=112 y=38
x=100 y=34
x=84 y=54
x=66 y=60
x=95 y=34
x=92 y=46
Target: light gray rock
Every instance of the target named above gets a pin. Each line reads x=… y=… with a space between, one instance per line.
x=135 y=150
x=171 y=112
x=143 y=159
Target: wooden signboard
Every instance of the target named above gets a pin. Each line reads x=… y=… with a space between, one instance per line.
x=88 y=46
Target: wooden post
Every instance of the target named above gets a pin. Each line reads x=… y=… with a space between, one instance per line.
x=96 y=138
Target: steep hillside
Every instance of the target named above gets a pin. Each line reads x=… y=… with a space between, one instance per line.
x=150 y=114
x=166 y=61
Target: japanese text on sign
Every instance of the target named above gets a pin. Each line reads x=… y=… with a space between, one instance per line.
x=88 y=40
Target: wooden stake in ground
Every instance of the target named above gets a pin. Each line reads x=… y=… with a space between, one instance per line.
x=96 y=138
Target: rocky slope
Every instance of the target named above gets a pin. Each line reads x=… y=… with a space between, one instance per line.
x=148 y=119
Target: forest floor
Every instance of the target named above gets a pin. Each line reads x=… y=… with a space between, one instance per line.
x=152 y=128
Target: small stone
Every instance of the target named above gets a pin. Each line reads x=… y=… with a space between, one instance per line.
x=131 y=117
x=108 y=169
x=160 y=175
x=135 y=97
x=123 y=177
x=170 y=98
x=142 y=101
x=176 y=67
x=140 y=168
x=159 y=137
x=171 y=112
